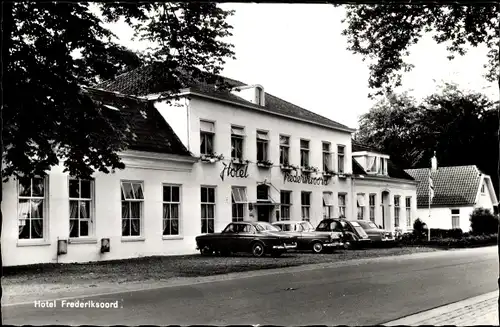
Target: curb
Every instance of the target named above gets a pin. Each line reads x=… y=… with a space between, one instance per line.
x=187 y=281
x=421 y=317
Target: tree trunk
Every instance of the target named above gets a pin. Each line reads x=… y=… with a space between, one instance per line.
x=498 y=172
x=7 y=23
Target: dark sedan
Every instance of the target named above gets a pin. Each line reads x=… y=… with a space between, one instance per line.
x=308 y=239
x=257 y=238
x=353 y=234
x=375 y=233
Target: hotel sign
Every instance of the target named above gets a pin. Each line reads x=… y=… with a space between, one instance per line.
x=231 y=170
x=305 y=179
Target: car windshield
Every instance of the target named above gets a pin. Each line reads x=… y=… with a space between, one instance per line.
x=368 y=225
x=355 y=224
x=266 y=227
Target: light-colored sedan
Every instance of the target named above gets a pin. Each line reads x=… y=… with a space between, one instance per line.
x=375 y=233
x=308 y=238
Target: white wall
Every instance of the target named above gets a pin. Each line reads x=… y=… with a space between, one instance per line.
x=176 y=113
x=107 y=218
x=368 y=186
x=484 y=200
x=441 y=217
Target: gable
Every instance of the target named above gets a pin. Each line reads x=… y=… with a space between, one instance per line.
x=453 y=186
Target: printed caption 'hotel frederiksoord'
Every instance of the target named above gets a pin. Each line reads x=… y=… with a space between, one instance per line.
x=78 y=304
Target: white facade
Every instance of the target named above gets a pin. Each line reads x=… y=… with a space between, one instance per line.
x=167 y=224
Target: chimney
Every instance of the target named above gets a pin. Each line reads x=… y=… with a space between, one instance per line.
x=434 y=163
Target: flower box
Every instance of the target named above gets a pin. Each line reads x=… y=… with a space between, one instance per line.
x=238 y=161
x=288 y=167
x=264 y=164
x=211 y=158
x=309 y=169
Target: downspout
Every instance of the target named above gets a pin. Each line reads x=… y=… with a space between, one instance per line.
x=188 y=125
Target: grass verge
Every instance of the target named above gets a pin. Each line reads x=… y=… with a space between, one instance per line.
x=160 y=268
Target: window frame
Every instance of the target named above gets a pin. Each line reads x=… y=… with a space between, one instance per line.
x=170 y=203
x=45 y=210
x=455 y=214
x=328 y=209
x=239 y=206
x=327 y=154
x=342 y=207
x=360 y=208
x=372 y=206
x=284 y=148
x=397 y=210
x=305 y=207
x=305 y=153
x=341 y=158
x=408 y=211
x=130 y=201
x=237 y=138
x=284 y=205
x=264 y=143
x=91 y=219
x=207 y=204
x=207 y=134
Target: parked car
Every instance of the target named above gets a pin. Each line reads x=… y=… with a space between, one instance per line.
x=307 y=238
x=375 y=233
x=257 y=238
x=353 y=234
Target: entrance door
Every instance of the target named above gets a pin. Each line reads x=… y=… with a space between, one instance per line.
x=264 y=213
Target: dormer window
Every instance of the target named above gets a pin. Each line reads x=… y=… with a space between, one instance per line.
x=259 y=95
x=371 y=164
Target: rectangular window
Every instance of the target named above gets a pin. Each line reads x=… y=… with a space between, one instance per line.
x=372 y=207
x=382 y=168
x=455 y=218
x=396 y=210
x=239 y=203
x=81 y=198
x=207 y=209
x=482 y=189
x=207 y=136
x=171 y=208
x=327 y=156
x=327 y=205
x=342 y=205
x=304 y=153
x=237 y=142
x=262 y=146
x=31 y=208
x=408 y=211
x=341 y=159
x=132 y=208
x=286 y=203
x=361 y=206
x=284 y=150
x=372 y=164
x=305 y=202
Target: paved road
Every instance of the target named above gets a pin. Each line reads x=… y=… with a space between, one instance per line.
x=364 y=294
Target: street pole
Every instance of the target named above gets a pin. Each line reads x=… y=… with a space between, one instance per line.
x=429 y=228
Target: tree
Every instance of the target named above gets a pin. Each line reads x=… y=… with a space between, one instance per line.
x=47 y=117
x=460 y=126
x=384 y=34
x=51 y=49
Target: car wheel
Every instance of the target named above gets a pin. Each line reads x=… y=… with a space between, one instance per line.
x=258 y=249
x=206 y=251
x=317 y=247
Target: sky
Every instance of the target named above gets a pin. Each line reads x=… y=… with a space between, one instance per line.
x=296 y=52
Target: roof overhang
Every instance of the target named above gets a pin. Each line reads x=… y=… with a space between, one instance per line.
x=370 y=153
x=373 y=178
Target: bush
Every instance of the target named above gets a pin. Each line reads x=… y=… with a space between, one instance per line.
x=483 y=222
x=446 y=233
x=418 y=228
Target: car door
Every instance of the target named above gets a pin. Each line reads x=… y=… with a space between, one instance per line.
x=244 y=237
x=225 y=242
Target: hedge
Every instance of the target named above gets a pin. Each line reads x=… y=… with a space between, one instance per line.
x=449 y=242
